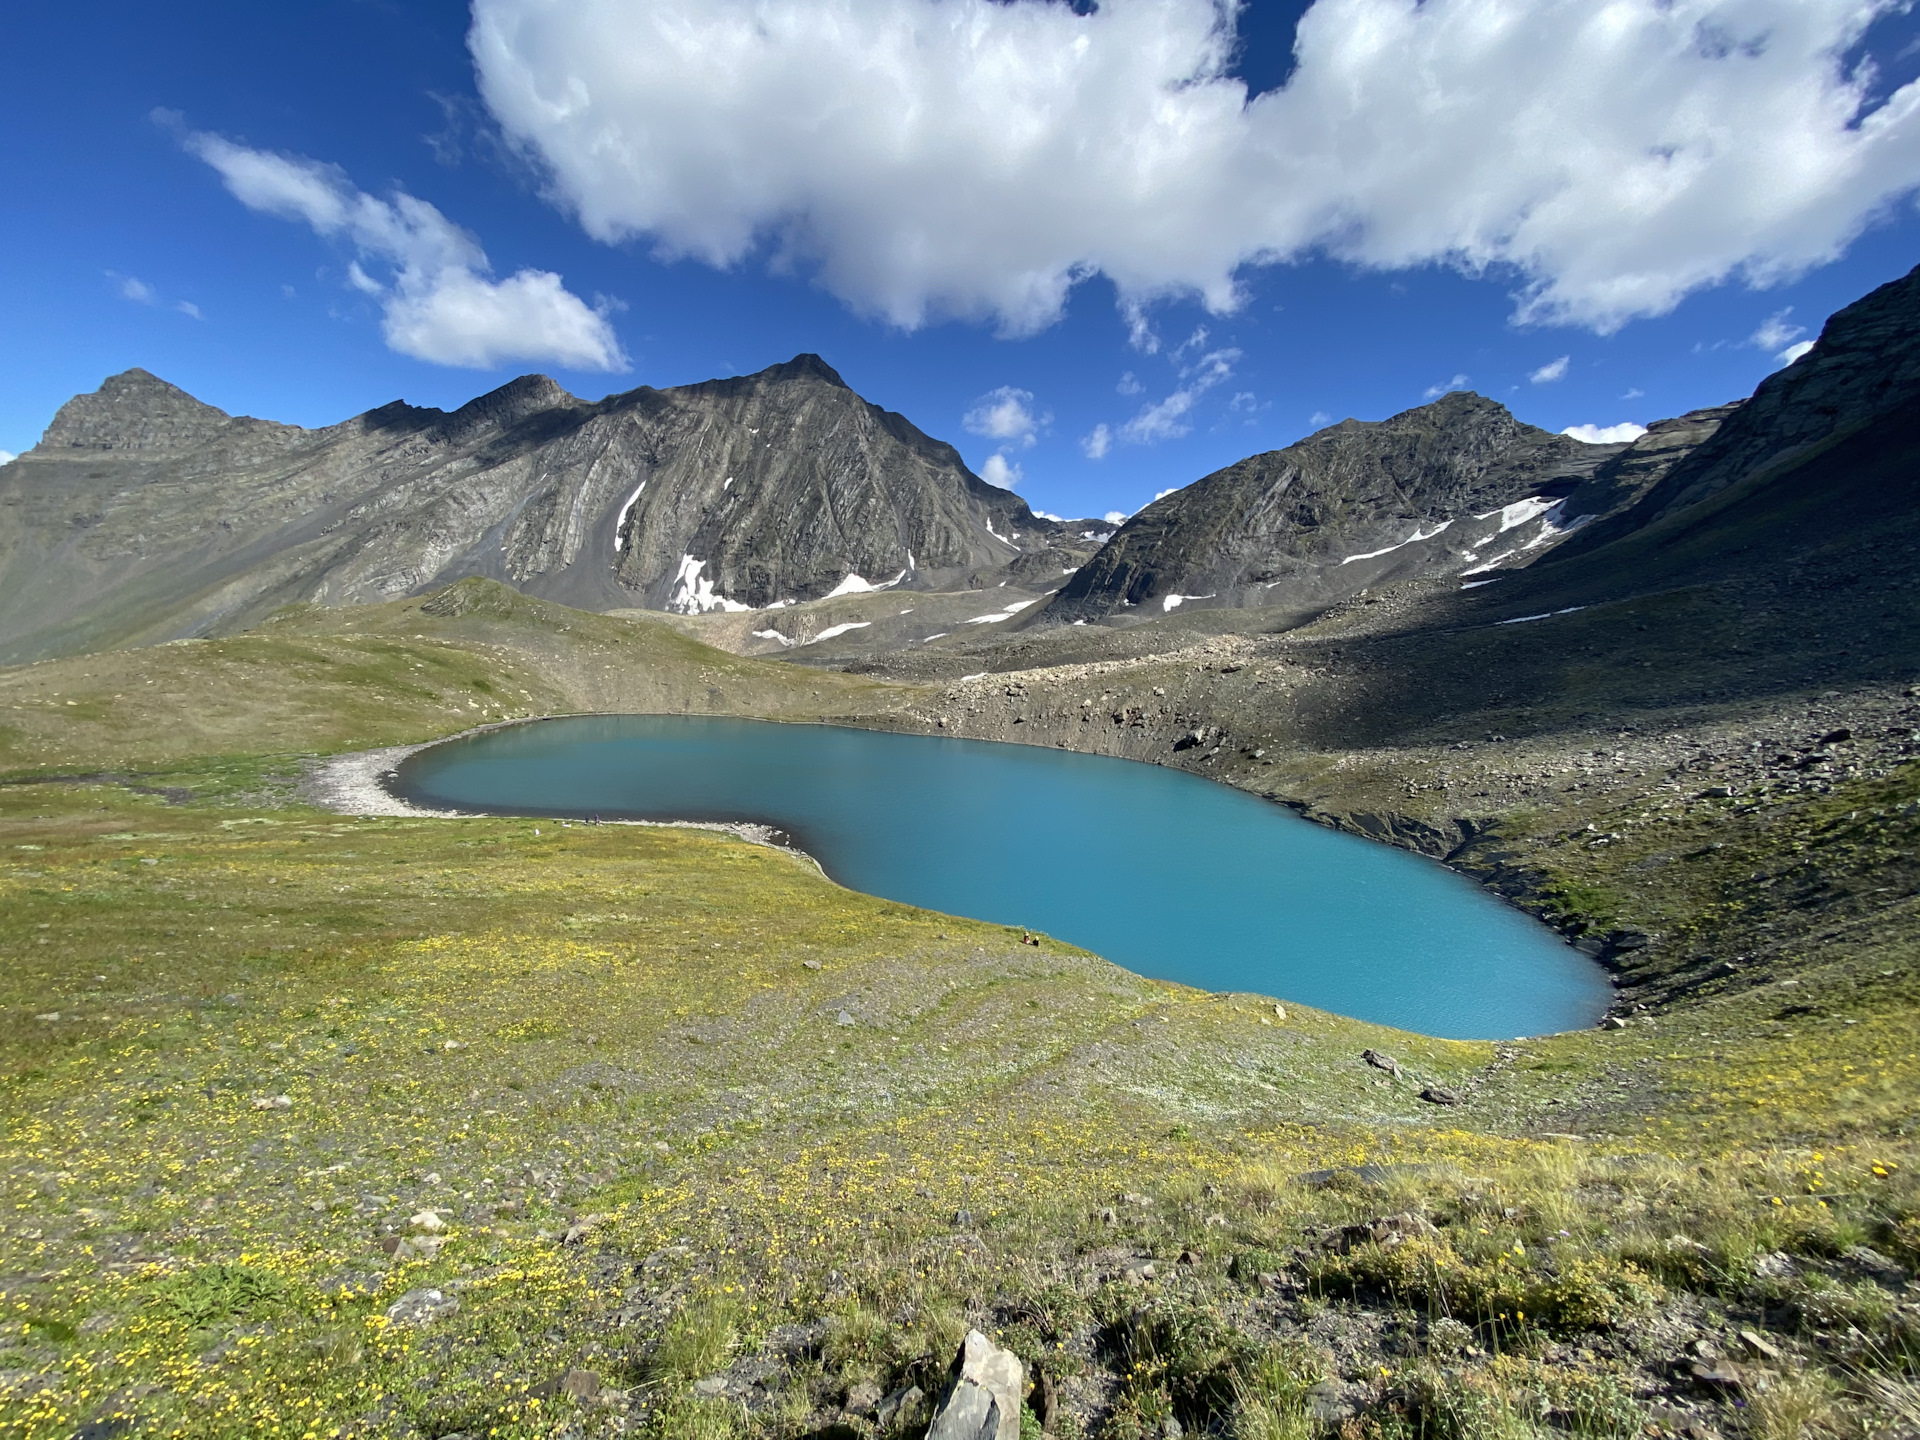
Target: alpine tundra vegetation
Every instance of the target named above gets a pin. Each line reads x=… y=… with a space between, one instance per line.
x=329 y=1117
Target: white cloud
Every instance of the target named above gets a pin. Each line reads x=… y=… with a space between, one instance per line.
x=1775 y=333
x=1162 y=494
x=1794 y=352
x=1434 y=392
x=1097 y=442
x=135 y=289
x=439 y=304
x=188 y=308
x=1319 y=418
x=1551 y=371
x=1115 y=517
x=1005 y=414
x=1000 y=471
x=978 y=159
x=7 y=457
x=1605 y=434
x=1166 y=419
x=1636 y=393
x=1129 y=384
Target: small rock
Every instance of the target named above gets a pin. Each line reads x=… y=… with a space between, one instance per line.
x=1215 y=1222
x=1875 y=1264
x=1279 y=1012
x=272 y=1102
x=1717 y=1372
x=899 y=1406
x=428 y=1221
x=813 y=965
x=1760 y=1347
x=580 y=1385
x=1439 y=1095
x=418 y=1307
x=1138 y=1201
x=983 y=1394
x=843 y=1018
x=1777 y=1266
x=1613 y=1022
x=712 y=1385
x=1381 y=1061
x=863 y=1399
x=1107 y=1215
x=1187 y=1257
x=962 y=1219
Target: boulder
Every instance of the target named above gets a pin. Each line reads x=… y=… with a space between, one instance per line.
x=1439 y=1095
x=1381 y=1061
x=983 y=1394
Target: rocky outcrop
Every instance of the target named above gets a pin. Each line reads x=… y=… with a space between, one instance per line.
x=146 y=515
x=1441 y=489
x=1863 y=371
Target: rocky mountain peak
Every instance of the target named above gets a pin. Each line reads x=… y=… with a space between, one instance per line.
x=510 y=404
x=133 y=411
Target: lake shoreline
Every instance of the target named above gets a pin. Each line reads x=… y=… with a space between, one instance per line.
x=355 y=783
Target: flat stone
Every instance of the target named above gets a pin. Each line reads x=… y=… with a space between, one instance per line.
x=420 y=1307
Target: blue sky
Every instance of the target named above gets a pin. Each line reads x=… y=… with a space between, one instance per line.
x=1515 y=253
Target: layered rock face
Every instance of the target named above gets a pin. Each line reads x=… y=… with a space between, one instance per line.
x=1455 y=487
x=144 y=514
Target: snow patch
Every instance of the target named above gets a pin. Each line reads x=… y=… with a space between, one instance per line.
x=1475 y=584
x=855 y=585
x=1174 y=602
x=692 y=595
x=1543 y=615
x=771 y=635
x=620 y=523
x=1521 y=511
x=729 y=484
x=1413 y=539
x=841 y=629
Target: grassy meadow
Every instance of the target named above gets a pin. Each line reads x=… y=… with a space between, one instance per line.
x=320 y=1126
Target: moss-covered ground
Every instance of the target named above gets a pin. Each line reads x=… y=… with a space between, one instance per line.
x=322 y=1126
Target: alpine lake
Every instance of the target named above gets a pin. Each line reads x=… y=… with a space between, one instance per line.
x=1166 y=873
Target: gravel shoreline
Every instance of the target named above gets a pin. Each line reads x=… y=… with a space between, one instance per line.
x=354 y=784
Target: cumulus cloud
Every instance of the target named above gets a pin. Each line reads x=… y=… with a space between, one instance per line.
x=1434 y=392
x=1097 y=442
x=978 y=158
x=1794 y=352
x=1005 y=414
x=1115 y=517
x=1551 y=371
x=1129 y=384
x=439 y=301
x=7 y=457
x=1605 y=434
x=1000 y=471
x=1319 y=418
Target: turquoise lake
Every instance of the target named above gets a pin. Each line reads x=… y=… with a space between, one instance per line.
x=1168 y=874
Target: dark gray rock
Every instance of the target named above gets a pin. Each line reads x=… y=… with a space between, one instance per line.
x=144 y=514
x=1355 y=505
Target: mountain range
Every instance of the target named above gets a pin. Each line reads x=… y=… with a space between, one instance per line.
x=145 y=515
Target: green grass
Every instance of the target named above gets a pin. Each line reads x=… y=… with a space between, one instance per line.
x=601 y=1056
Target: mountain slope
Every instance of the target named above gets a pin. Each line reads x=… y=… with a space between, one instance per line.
x=144 y=514
x=1358 y=503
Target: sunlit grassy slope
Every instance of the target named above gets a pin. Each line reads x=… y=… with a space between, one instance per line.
x=677 y=1104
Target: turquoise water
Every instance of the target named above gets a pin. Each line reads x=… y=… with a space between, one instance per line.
x=1160 y=871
